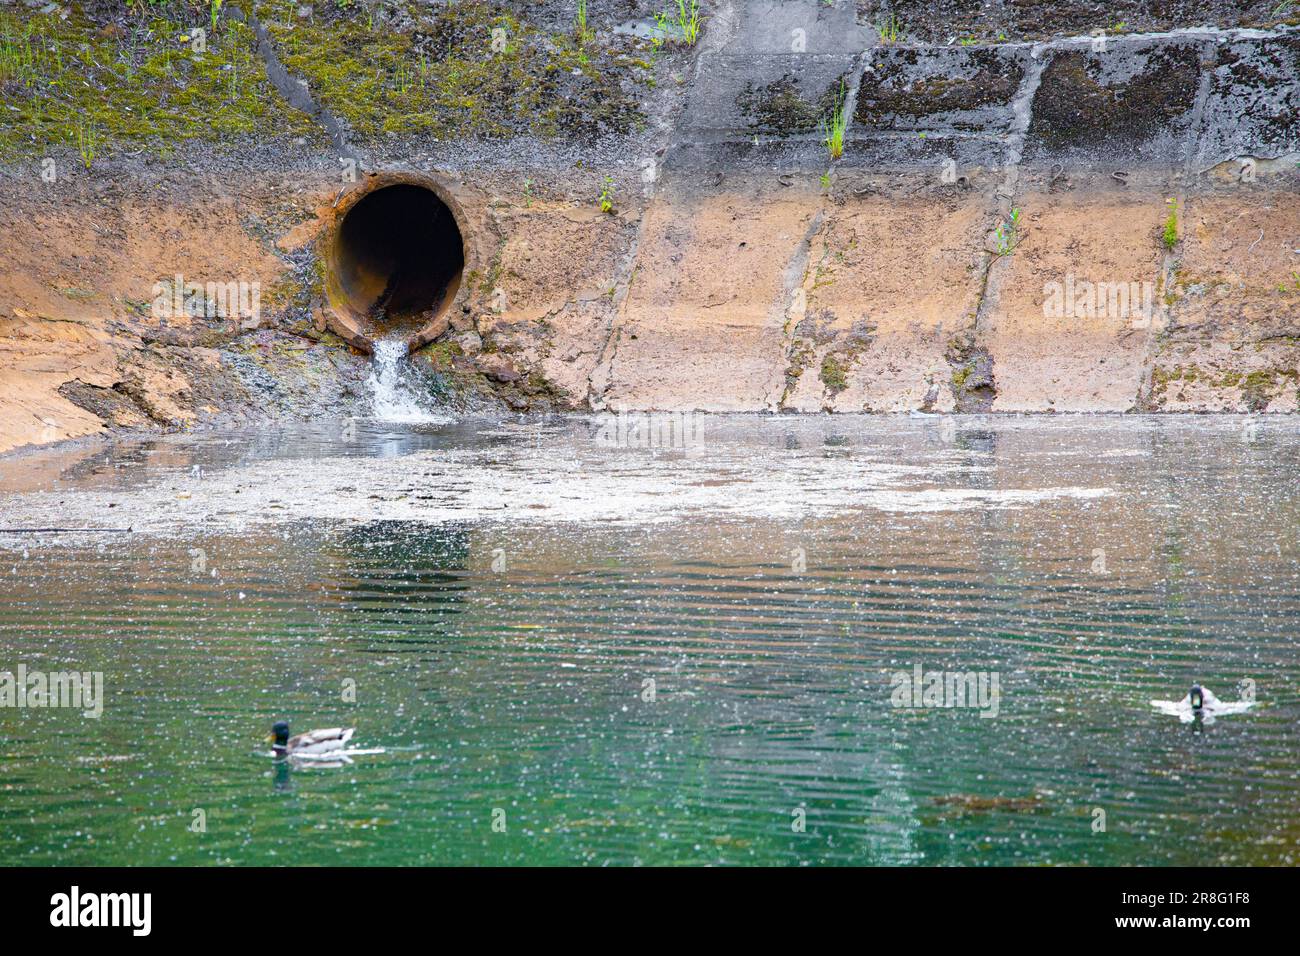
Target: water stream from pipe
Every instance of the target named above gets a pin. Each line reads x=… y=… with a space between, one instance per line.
x=393 y=396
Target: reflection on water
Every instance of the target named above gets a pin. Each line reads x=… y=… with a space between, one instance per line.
x=660 y=657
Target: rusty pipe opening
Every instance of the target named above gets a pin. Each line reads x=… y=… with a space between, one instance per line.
x=394 y=262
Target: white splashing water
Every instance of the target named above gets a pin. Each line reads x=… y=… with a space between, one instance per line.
x=391 y=396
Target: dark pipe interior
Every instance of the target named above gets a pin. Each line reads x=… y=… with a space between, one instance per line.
x=399 y=256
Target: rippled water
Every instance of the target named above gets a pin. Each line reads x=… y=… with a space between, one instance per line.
x=501 y=593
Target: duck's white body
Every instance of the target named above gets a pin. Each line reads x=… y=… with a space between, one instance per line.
x=1210 y=708
x=317 y=742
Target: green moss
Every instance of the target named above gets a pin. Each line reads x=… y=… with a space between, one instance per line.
x=485 y=282
x=467 y=69
x=834 y=375
x=1077 y=106
x=1258 y=388
x=890 y=90
x=132 y=82
x=779 y=107
x=1162 y=377
x=1177 y=373
x=108 y=78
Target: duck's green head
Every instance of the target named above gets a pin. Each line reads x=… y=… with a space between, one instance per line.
x=280 y=734
x=1198 y=697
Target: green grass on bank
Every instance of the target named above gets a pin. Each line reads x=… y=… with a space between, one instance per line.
x=130 y=79
x=134 y=83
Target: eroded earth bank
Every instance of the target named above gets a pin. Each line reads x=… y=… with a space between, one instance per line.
x=1038 y=207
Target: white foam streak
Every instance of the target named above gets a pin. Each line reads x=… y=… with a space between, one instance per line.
x=485 y=484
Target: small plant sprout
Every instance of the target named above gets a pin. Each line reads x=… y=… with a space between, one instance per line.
x=528 y=193
x=685 y=23
x=968 y=40
x=401 y=77
x=584 y=32
x=87 y=141
x=1170 y=236
x=834 y=126
x=607 y=196
x=826 y=179
x=890 y=29
x=214 y=9
x=688 y=18
x=1007 y=234
x=660 y=33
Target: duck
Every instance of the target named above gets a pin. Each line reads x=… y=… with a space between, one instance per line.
x=312 y=743
x=1201 y=704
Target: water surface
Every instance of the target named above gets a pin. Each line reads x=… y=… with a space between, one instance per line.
x=501 y=597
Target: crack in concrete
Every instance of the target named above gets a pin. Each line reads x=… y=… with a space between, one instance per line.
x=792 y=282
x=1017 y=132
x=293 y=89
x=1168 y=263
x=609 y=349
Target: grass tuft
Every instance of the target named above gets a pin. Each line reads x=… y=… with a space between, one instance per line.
x=890 y=30
x=87 y=141
x=581 y=28
x=1170 y=235
x=686 y=22
x=834 y=127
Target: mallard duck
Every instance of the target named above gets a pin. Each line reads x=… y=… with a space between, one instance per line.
x=310 y=744
x=1200 y=703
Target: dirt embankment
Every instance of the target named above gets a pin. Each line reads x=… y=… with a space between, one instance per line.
x=1022 y=219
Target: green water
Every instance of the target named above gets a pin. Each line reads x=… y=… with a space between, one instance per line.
x=334 y=561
